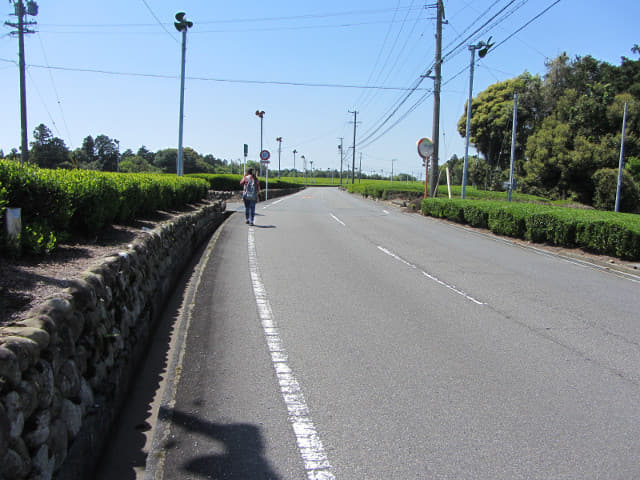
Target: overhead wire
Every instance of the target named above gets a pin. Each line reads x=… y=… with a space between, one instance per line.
x=159 y=22
x=211 y=79
x=55 y=90
x=369 y=140
x=391 y=51
x=384 y=43
x=370 y=134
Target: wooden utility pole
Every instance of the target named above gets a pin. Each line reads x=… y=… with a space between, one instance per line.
x=437 y=82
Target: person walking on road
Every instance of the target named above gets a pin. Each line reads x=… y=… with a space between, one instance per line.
x=251 y=189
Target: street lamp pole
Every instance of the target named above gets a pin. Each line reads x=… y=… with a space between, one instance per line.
x=483 y=48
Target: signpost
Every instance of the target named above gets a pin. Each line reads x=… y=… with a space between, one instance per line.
x=425 y=150
x=244 y=166
x=264 y=160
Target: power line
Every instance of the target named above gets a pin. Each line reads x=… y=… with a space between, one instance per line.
x=210 y=79
x=159 y=22
x=394 y=109
x=369 y=140
x=528 y=23
x=64 y=121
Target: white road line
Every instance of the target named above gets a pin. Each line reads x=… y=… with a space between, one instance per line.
x=273 y=203
x=338 y=220
x=310 y=447
x=431 y=277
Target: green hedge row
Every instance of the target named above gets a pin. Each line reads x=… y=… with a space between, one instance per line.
x=230 y=183
x=57 y=202
x=609 y=233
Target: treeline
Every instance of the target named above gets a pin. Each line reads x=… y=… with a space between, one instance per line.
x=568 y=134
x=103 y=153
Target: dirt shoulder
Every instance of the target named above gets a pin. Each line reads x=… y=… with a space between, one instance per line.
x=28 y=281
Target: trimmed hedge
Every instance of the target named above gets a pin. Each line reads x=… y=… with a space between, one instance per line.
x=609 y=233
x=55 y=203
x=231 y=182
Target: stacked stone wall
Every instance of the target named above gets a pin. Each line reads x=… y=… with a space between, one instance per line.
x=65 y=369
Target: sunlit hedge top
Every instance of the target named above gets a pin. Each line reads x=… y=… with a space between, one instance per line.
x=89 y=200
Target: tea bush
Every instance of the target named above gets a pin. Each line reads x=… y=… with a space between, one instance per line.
x=55 y=203
x=610 y=233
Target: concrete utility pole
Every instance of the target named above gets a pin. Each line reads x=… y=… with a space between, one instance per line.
x=340 y=150
x=279 y=140
x=437 y=82
x=182 y=25
x=621 y=162
x=483 y=48
x=353 y=166
x=513 y=143
x=20 y=11
x=294 y=161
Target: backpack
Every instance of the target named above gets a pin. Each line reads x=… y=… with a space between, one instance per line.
x=250 y=191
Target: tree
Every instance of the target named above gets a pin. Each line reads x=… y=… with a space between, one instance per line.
x=146 y=154
x=606 y=182
x=107 y=153
x=166 y=159
x=136 y=164
x=48 y=151
x=492 y=119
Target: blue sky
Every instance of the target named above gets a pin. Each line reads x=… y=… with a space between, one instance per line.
x=98 y=67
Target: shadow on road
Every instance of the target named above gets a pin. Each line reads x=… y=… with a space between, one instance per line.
x=241 y=455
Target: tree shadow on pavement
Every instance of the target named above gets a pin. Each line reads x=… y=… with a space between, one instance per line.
x=240 y=458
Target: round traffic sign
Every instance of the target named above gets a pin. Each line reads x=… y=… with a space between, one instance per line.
x=265 y=155
x=425 y=147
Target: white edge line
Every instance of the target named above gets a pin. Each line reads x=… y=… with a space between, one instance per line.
x=310 y=446
x=338 y=220
x=431 y=277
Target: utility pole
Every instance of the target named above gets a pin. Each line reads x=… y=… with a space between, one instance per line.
x=360 y=171
x=621 y=162
x=260 y=113
x=294 y=162
x=353 y=165
x=279 y=140
x=513 y=143
x=182 y=25
x=437 y=82
x=20 y=11
x=341 y=157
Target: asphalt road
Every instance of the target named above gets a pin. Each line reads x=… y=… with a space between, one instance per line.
x=341 y=338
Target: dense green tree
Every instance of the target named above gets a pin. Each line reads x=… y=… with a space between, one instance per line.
x=136 y=164
x=107 y=152
x=605 y=183
x=146 y=154
x=492 y=120
x=48 y=151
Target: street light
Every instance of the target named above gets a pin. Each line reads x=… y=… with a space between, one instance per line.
x=483 y=48
x=304 y=168
x=260 y=113
x=182 y=25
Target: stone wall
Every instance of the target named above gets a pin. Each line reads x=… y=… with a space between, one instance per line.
x=64 y=371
